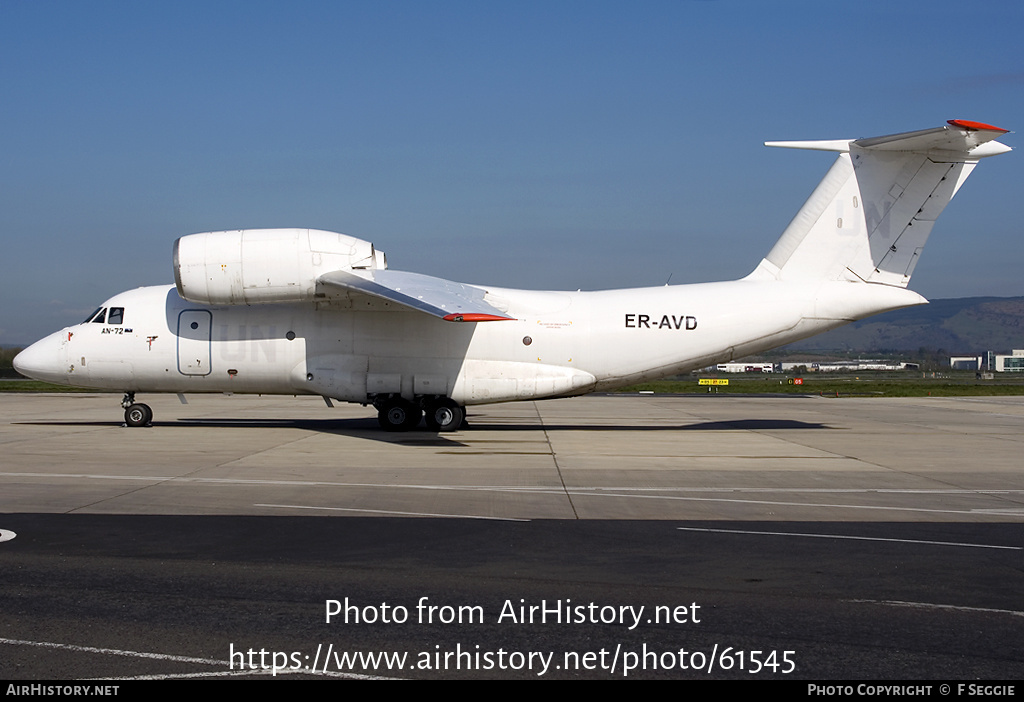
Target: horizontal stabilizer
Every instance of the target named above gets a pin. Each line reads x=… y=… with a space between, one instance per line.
x=869 y=219
x=452 y=302
x=960 y=136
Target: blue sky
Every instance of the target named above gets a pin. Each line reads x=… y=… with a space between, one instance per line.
x=552 y=145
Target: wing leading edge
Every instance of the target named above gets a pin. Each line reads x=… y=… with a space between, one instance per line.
x=448 y=300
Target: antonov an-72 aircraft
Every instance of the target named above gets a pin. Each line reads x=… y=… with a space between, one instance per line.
x=290 y=311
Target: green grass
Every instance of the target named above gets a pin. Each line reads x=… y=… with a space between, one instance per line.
x=863 y=385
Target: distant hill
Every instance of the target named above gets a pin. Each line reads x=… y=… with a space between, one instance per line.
x=959 y=326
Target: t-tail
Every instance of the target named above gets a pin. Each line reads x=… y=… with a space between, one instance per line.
x=870 y=217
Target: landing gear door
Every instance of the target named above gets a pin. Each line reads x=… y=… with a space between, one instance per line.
x=194 y=342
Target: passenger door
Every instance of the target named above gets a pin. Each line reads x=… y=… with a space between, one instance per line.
x=194 y=342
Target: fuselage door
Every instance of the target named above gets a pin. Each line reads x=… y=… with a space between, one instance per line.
x=194 y=342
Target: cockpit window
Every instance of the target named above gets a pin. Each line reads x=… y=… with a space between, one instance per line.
x=116 y=315
x=91 y=315
x=100 y=316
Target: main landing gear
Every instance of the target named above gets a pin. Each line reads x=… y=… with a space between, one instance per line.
x=398 y=414
x=136 y=414
x=442 y=414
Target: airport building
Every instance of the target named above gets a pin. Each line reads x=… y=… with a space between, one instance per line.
x=812 y=366
x=745 y=368
x=852 y=366
x=1014 y=363
x=974 y=363
x=1000 y=363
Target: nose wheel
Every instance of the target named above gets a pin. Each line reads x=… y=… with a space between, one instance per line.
x=136 y=414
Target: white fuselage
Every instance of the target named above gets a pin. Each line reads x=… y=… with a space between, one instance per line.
x=353 y=349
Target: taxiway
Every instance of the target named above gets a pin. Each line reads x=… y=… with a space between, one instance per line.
x=869 y=538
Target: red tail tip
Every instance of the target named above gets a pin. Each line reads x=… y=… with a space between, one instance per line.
x=975 y=126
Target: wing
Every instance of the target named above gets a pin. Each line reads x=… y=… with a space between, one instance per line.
x=452 y=302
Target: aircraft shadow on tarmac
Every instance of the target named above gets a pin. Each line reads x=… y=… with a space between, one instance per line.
x=369 y=429
x=729 y=425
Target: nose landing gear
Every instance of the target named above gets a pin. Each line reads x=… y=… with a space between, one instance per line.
x=136 y=414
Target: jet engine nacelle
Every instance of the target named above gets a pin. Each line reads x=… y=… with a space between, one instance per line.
x=261 y=266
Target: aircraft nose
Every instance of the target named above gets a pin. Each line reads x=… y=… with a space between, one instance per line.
x=43 y=360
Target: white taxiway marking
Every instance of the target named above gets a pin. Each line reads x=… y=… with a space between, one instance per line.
x=844 y=536
x=113 y=651
x=403 y=514
x=928 y=605
x=1008 y=512
x=699 y=494
x=172 y=657
x=194 y=676
x=583 y=490
x=249 y=674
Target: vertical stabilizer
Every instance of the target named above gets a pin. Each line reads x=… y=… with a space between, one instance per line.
x=870 y=217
